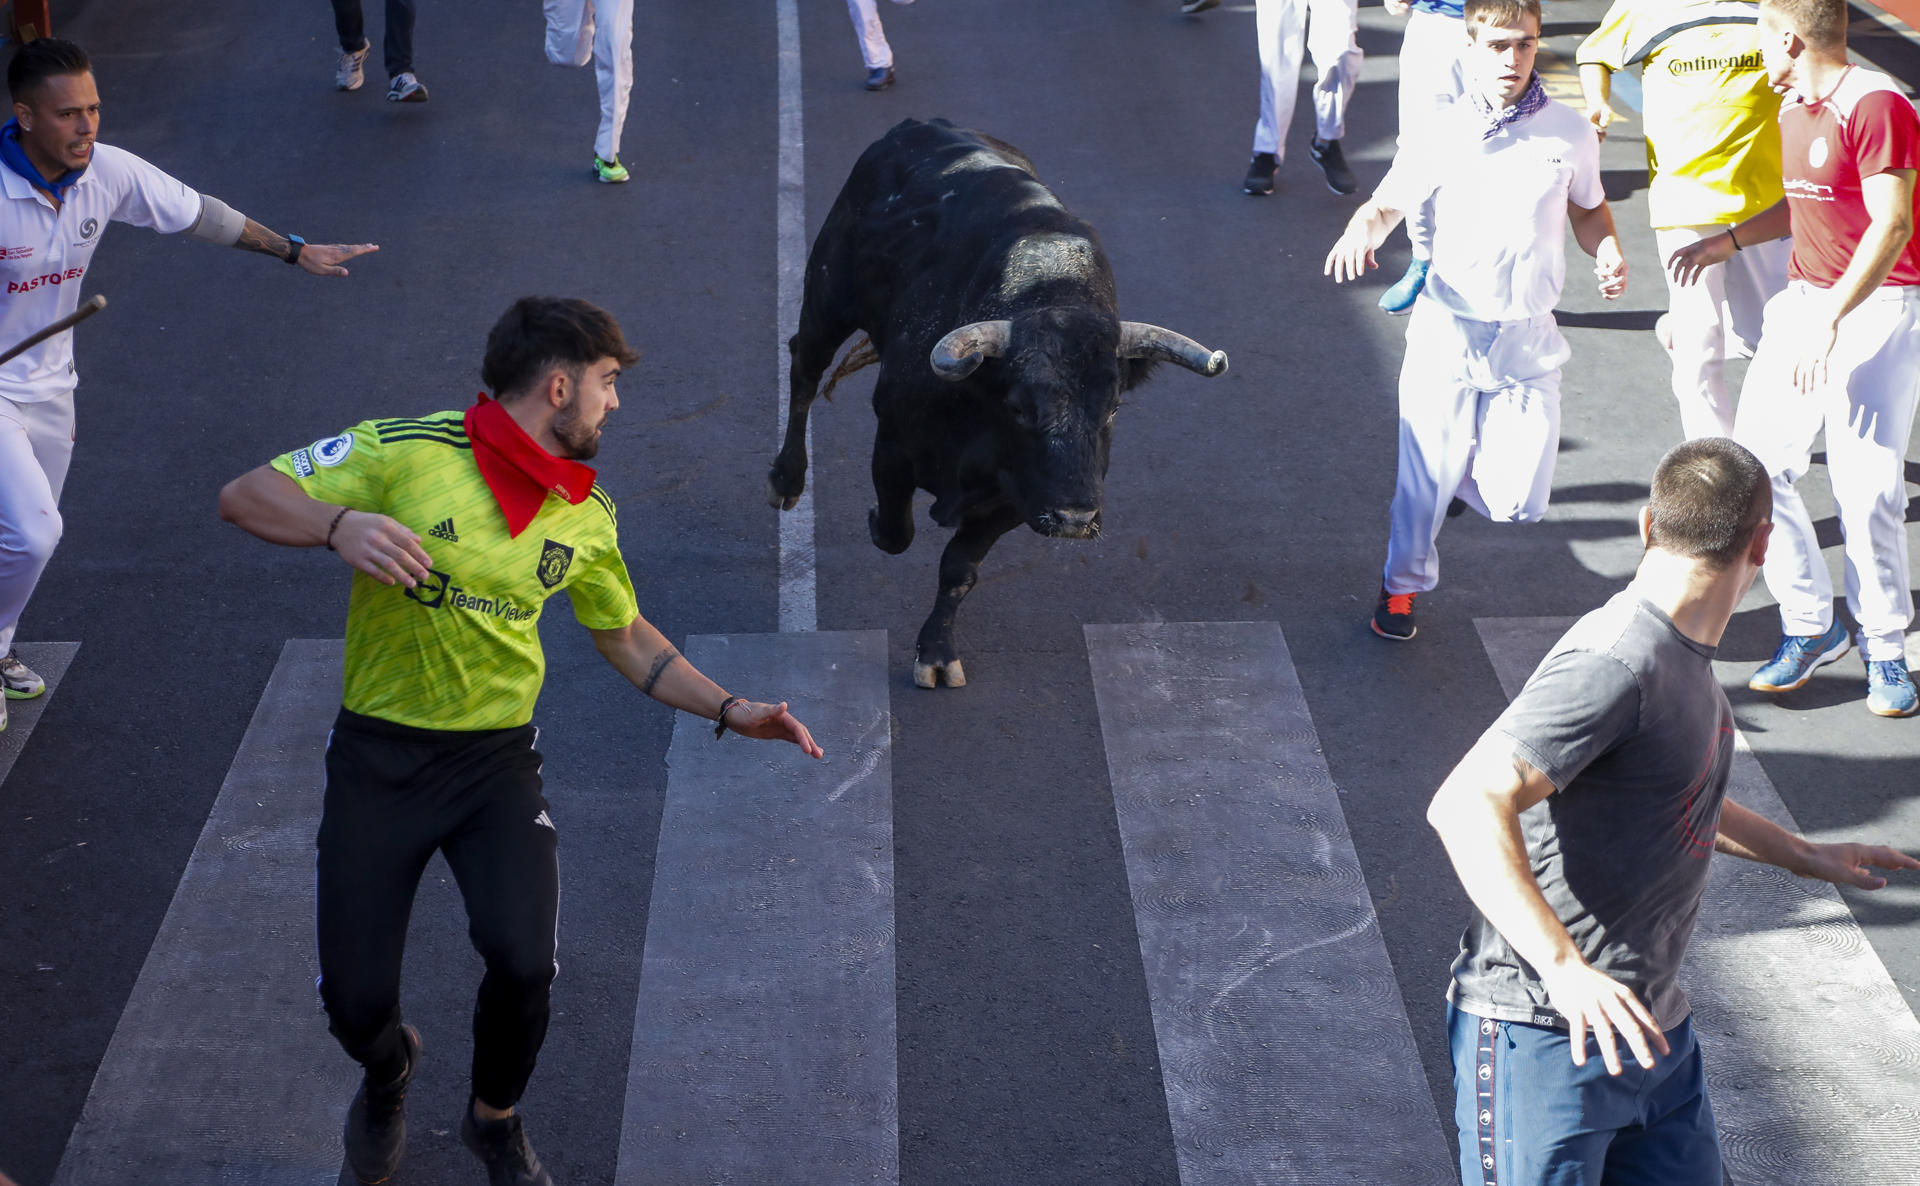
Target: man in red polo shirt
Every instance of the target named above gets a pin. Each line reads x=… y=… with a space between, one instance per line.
x=1839 y=349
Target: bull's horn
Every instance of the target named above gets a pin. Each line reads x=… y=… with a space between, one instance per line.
x=961 y=352
x=1140 y=340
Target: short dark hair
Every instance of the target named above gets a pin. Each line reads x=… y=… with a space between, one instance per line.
x=1822 y=24
x=1505 y=13
x=1708 y=497
x=39 y=60
x=539 y=333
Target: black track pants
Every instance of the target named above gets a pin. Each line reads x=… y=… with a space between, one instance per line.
x=395 y=795
x=398 y=49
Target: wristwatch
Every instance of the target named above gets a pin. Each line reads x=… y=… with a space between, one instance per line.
x=294 y=244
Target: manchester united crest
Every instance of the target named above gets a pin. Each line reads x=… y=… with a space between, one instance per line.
x=555 y=559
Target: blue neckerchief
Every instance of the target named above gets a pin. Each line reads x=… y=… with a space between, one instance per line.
x=15 y=157
x=1532 y=101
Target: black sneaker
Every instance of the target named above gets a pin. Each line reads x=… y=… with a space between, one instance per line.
x=1332 y=162
x=376 y=1131
x=502 y=1144
x=1260 y=173
x=1457 y=508
x=879 y=78
x=1393 y=616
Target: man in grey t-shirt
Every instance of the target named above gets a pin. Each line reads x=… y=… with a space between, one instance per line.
x=1581 y=825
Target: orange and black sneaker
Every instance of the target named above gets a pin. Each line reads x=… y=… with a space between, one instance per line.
x=1393 y=617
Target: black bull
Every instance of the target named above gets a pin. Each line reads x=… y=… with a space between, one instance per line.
x=1002 y=355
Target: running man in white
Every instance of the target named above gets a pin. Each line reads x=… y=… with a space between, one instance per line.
x=61 y=188
x=601 y=32
x=874 y=50
x=1713 y=150
x=1506 y=169
x=1839 y=349
x=1329 y=31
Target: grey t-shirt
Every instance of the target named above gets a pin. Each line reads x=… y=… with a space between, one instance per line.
x=1625 y=718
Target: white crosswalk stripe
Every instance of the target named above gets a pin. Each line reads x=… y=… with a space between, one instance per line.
x=49 y=661
x=1281 y=1028
x=1812 y=1055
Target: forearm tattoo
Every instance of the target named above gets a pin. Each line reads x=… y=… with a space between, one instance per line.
x=660 y=663
x=254 y=237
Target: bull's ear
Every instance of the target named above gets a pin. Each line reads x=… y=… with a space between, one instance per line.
x=961 y=352
x=1140 y=340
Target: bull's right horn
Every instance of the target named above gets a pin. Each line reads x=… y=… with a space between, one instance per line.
x=1140 y=340
x=961 y=352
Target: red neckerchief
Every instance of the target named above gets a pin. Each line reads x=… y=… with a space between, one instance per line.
x=517 y=469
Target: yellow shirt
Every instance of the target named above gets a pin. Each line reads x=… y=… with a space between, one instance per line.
x=1712 y=122
x=462 y=649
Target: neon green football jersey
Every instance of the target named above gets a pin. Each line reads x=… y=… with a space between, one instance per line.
x=462 y=649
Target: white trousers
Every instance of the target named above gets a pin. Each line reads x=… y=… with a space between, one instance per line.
x=1326 y=29
x=874 y=50
x=36 y=446
x=1430 y=78
x=1479 y=421
x=1866 y=408
x=601 y=32
x=1717 y=315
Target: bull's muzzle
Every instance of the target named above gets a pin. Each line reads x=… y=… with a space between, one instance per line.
x=1068 y=523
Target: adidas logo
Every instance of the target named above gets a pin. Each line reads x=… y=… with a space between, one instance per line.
x=444 y=530
x=544 y=821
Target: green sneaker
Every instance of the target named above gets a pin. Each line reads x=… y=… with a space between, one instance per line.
x=612 y=172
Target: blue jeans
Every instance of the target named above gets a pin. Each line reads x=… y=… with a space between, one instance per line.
x=1529 y=1117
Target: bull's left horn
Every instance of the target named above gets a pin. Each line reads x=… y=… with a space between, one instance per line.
x=1140 y=340
x=961 y=352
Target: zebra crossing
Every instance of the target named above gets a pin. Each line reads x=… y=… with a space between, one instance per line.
x=763 y=1038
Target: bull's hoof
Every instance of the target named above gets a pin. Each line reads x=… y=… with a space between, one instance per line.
x=783 y=500
x=929 y=675
x=890 y=544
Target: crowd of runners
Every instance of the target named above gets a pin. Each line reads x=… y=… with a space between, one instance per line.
x=1783 y=199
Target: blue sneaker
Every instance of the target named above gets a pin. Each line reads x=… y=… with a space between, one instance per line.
x=1399 y=299
x=1890 y=689
x=1792 y=665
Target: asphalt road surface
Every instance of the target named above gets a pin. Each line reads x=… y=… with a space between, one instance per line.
x=1029 y=1001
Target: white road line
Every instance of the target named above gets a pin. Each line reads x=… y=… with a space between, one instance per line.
x=50 y=661
x=797 y=598
x=764 y=1037
x=1284 y=1042
x=220 y=1070
x=1813 y=1057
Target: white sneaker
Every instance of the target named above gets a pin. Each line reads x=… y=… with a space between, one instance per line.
x=348 y=76
x=18 y=679
x=405 y=88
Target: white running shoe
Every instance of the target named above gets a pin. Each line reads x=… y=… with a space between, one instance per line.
x=405 y=88
x=348 y=76
x=18 y=679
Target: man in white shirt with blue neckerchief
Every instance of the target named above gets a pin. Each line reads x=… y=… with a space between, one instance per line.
x=61 y=189
x=1506 y=169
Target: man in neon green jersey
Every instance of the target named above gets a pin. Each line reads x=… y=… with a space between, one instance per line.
x=433 y=749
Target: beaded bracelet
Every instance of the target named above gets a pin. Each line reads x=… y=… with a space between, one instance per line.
x=720 y=719
x=334 y=524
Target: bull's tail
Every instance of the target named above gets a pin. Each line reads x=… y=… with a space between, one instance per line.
x=859 y=356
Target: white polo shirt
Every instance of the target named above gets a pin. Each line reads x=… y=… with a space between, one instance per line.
x=44 y=255
x=1499 y=205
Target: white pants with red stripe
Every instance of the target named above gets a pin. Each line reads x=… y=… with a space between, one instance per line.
x=601 y=32
x=1716 y=316
x=1866 y=408
x=1325 y=29
x=1479 y=421
x=36 y=446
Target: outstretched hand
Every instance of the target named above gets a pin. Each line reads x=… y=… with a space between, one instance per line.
x=1850 y=864
x=324 y=259
x=771 y=722
x=1590 y=999
x=383 y=548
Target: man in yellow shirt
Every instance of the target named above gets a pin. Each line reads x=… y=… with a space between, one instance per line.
x=1713 y=150
x=433 y=749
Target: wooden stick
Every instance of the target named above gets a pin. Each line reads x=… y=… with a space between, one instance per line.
x=94 y=304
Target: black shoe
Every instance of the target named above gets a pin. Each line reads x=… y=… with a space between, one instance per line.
x=1332 y=162
x=376 y=1131
x=1457 y=508
x=502 y=1144
x=879 y=78
x=1393 y=616
x=1260 y=173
